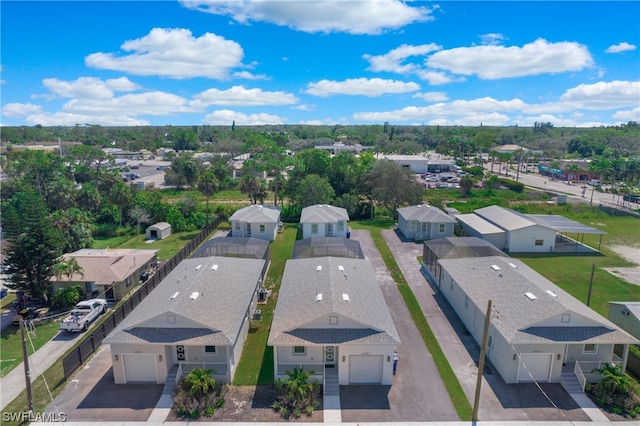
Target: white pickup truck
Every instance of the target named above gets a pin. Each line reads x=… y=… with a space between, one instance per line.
x=83 y=314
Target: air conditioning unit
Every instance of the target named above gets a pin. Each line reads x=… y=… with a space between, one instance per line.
x=257 y=315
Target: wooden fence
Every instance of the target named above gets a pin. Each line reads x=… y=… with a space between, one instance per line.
x=91 y=343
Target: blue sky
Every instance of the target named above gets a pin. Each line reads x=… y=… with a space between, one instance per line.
x=501 y=63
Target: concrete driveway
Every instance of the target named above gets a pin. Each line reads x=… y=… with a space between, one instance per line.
x=498 y=401
x=418 y=393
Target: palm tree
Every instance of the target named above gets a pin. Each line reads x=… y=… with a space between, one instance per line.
x=199 y=381
x=120 y=195
x=208 y=185
x=67 y=268
x=613 y=381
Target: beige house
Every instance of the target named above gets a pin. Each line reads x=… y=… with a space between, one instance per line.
x=198 y=316
x=109 y=273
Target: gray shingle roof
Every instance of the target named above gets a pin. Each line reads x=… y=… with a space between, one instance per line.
x=425 y=213
x=224 y=292
x=257 y=213
x=297 y=306
x=520 y=319
x=323 y=213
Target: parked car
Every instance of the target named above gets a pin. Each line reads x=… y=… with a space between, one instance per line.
x=131 y=176
x=83 y=315
x=631 y=197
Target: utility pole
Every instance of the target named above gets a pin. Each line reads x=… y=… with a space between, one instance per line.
x=593 y=269
x=27 y=373
x=483 y=351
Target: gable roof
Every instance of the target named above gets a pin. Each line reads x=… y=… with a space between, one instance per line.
x=323 y=213
x=425 y=213
x=108 y=266
x=257 y=213
x=224 y=293
x=504 y=218
x=519 y=318
x=479 y=224
x=331 y=277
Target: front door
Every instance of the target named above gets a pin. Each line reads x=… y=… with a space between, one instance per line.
x=330 y=355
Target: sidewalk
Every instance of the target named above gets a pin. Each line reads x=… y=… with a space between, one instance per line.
x=14 y=383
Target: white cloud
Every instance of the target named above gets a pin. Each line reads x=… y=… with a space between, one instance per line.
x=20 y=110
x=432 y=96
x=370 y=87
x=88 y=87
x=630 y=115
x=436 y=78
x=226 y=117
x=495 y=62
x=173 y=53
x=603 y=95
x=69 y=119
x=620 y=47
x=392 y=60
x=492 y=39
x=148 y=103
x=319 y=16
x=239 y=96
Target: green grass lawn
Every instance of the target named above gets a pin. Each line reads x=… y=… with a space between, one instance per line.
x=11 y=352
x=166 y=247
x=256 y=363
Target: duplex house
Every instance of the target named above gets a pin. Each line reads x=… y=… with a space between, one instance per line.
x=198 y=316
x=424 y=222
x=256 y=221
x=108 y=273
x=331 y=318
x=322 y=220
x=537 y=331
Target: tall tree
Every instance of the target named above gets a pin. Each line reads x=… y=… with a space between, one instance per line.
x=393 y=185
x=208 y=185
x=139 y=215
x=120 y=195
x=34 y=246
x=314 y=190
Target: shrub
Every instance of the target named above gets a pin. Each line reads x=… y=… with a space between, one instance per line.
x=512 y=185
x=296 y=394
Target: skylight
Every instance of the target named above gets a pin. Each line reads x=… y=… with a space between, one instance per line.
x=318 y=268
x=552 y=293
x=530 y=295
x=194 y=295
x=174 y=295
x=214 y=267
x=198 y=267
x=495 y=267
x=318 y=297
x=345 y=297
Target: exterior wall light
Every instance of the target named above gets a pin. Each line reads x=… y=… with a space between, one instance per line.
x=115 y=357
x=344 y=358
x=160 y=358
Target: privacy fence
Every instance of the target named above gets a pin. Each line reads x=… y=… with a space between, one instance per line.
x=91 y=343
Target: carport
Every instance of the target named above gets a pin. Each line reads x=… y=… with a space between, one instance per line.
x=564 y=227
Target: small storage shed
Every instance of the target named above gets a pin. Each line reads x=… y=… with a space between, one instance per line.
x=158 y=231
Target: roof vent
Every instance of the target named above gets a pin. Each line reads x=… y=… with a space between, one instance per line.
x=530 y=295
x=198 y=267
x=495 y=267
x=214 y=267
x=318 y=268
x=551 y=293
x=345 y=297
x=174 y=295
x=318 y=297
x=194 y=295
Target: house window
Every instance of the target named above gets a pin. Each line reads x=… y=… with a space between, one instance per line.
x=314 y=228
x=490 y=341
x=237 y=226
x=248 y=229
x=442 y=227
x=209 y=350
x=299 y=350
x=590 y=348
x=330 y=229
x=412 y=225
x=263 y=228
x=340 y=226
x=566 y=318
x=539 y=242
x=333 y=320
x=127 y=281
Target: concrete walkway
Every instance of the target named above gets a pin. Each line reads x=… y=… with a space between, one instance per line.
x=14 y=383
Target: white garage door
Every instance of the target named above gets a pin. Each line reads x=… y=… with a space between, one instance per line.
x=534 y=367
x=365 y=369
x=140 y=368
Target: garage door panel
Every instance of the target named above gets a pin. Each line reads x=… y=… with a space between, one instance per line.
x=140 y=368
x=534 y=367
x=365 y=369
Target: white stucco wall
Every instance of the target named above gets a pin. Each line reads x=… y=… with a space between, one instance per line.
x=269 y=234
x=523 y=240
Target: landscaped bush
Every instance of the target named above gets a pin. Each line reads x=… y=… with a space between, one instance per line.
x=296 y=395
x=198 y=395
x=615 y=391
x=512 y=185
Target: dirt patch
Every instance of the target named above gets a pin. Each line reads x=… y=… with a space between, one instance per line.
x=630 y=274
x=250 y=404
